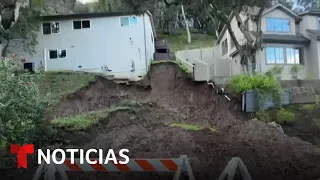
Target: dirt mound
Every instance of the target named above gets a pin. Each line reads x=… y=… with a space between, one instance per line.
x=144 y=130
x=173 y=98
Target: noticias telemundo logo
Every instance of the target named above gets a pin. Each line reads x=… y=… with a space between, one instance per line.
x=49 y=155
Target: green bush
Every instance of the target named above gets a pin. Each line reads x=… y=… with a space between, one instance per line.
x=263 y=116
x=243 y=82
x=21 y=106
x=285 y=117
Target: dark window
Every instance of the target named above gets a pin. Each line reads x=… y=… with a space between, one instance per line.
x=62 y=53
x=46 y=28
x=51 y=28
x=76 y=24
x=86 y=24
x=53 y=54
x=151 y=38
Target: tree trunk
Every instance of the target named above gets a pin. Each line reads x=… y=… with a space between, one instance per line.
x=187 y=25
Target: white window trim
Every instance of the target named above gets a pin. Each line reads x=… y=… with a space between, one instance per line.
x=128 y=20
x=290 y=29
x=284 y=49
x=81 y=24
x=51 y=28
x=57 y=54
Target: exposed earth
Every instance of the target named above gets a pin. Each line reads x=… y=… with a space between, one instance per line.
x=145 y=130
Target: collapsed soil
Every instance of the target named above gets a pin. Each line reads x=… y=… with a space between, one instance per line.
x=267 y=153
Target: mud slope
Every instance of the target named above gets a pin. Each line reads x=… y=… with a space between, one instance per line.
x=267 y=153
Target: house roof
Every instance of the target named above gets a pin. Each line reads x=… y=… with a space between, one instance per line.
x=285 y=10
x=315 y=33
x=280 y=6
x=87 y=15
x=314 y=12
x=290 y=39
x=97 y=15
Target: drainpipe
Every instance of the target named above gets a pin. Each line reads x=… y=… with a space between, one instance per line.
x=45 y=59
x=145 y=44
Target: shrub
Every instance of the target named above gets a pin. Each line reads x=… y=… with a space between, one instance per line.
x=243 y=82
x=21 y=106
x=263 y=116
x=285 y=117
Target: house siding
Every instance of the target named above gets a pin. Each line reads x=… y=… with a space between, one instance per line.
x=308 y=22
x=105 y=43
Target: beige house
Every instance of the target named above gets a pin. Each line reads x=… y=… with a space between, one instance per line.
x=289 y=39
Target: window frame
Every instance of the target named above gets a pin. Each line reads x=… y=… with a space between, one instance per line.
x=284 y=50
x=129 y=24
x=50 y=22
x=57 y=54
x=81 y=20
x=276 y=31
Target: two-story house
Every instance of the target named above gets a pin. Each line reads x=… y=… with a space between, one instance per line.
x=117 y=44
x=289 y=39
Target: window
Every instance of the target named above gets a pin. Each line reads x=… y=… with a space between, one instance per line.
x=224 y=47
x=86 y=24
x=53 y=54
x=62 y=53
x=81 y=24
x=51 y=28
x=278 y=25
x=151 y=38
x=293 y=56
x=133 y=20
x=76 y=24
x=57 y=54
x=124 y=21
x=128 y=20
x=279 y=55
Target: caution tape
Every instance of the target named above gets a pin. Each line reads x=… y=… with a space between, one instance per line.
x=153 y=165
x=176 y=165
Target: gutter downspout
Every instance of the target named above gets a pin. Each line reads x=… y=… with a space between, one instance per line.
x=145 y=44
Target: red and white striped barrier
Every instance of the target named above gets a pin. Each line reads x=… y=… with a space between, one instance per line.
x=135 y=165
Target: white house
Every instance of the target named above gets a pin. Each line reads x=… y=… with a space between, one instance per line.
x=115 y=43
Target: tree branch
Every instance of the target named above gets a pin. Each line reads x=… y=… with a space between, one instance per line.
x=259 y=34
x=225 y=19
x=241 y=26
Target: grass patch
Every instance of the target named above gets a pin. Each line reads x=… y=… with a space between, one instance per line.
x=85 y=121
x=191 y=127
x=181 y=66
x=308 y=107
x=60 y=84
x=285 y=117
x=178 y=41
